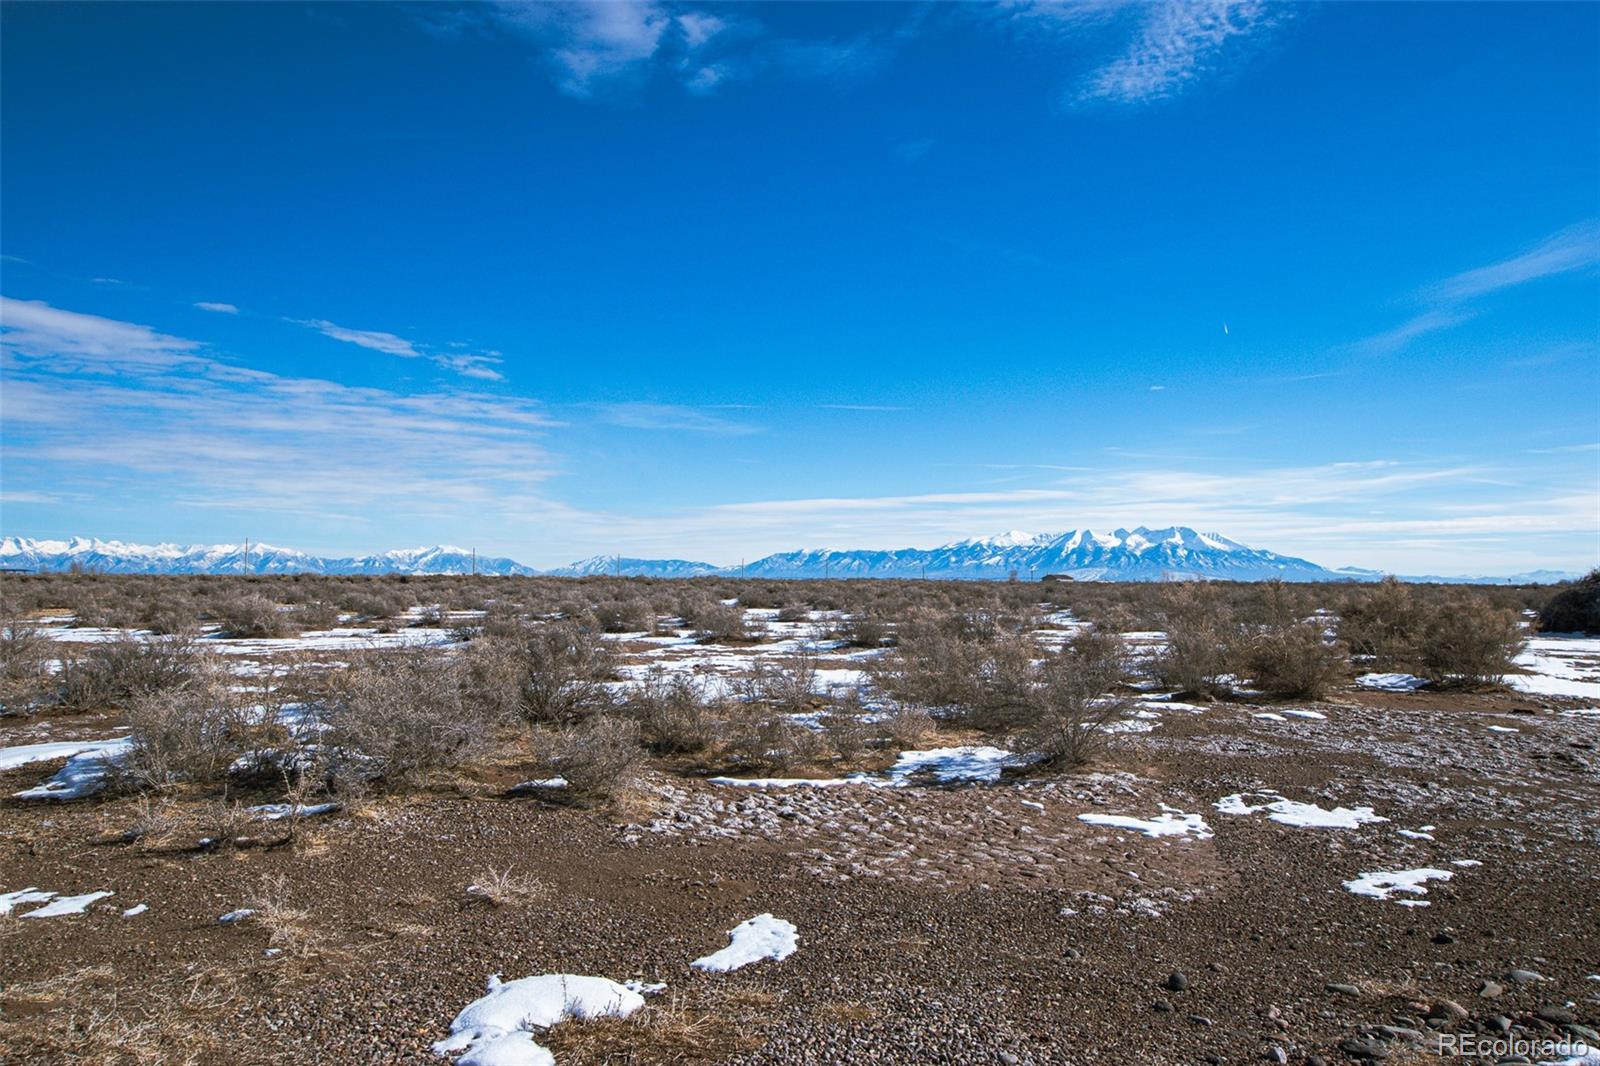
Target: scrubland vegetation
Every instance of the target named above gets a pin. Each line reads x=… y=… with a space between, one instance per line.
x=531 y=675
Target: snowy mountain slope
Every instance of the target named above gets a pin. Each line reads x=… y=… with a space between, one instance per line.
x=1141 y=554
x=1174 y=553
x=117 y=557
x=599 y=565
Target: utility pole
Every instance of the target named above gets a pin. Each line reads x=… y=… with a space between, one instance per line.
x=247 y=555
x=474 y=562
x=616 y=565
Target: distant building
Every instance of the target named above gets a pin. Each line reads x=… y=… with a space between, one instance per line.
x=1056 y=577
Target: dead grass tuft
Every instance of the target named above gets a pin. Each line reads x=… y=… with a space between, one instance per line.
x=502 y=888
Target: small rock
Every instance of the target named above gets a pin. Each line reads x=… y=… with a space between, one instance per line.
x=1161 y=1006
x=1361 y=1047
x=1584 y=1033
x=1008 y=1058
x=1442 y=937
x=1072 y=953
x=1559 y=1015
x=1175 y=982
x=1525 y=977
x=1200 y=1019
x=1277 y=1054
x=1500 y=1024
x=1316 y=1060
x=1490 y=989
x=1343 y=990
x=1447 y=1009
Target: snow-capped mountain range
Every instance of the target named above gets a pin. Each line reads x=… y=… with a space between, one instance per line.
x=117 y=557
x=1142 y=554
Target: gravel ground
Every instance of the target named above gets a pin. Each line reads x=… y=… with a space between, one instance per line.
x=979 y=923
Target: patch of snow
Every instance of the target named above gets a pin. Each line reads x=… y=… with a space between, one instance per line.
x=964 y=763
x=134 y=912
x=497 y=1029
x=1316 y=715
x=84 y=775
x=1171 y=822
x=23 y=754
x=273 y=812
x=1415 y=834
x=1383 y=884
x=65 y=905
x=1391 y=682
x=752 y=940
x=1465 y=862
x=237 y=916
x=1268 y=716
x=1303 y=815
x=1540 y=685
x=540 y=783
x=1503 y=729
x=645 y=988
x=791 y=782
x=9 y=901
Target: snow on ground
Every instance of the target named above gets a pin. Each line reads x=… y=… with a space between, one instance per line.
x=273 y=812
x=1559 y=666
x=946 y=766
x=62 y=906
x=23 y=754
x=134 y=912
x=967 y=762
x=237 y=916
x=84 y=775
x=1503 y=729
x=1314 y=715
x=1542 y=685
x=10 y=901
x=1304 y=815
x=1171 y=822
x=1268 y=716
x=1383 y=885
x=794 y=782
x=497 y=1029
x=758 y=938
x=1390 y=682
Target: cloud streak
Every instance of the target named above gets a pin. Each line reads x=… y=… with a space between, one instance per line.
x=1572 y=249
x=660 y=416
x=120 y=410
x=479 y=365
x=593 y=48
x=1175 y=45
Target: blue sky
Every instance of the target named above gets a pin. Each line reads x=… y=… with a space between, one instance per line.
x=712 y=281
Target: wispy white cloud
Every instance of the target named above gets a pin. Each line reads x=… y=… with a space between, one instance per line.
x=374 y=339
x=669 y=417
x=1574 y=248
x=1169 y=47
x=219 y=308
x=860 y=407
x=592 y=46
x=1176 y=43
x=163 y=418
x=78 y=341
x=479 y=365
x=1449 y=302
